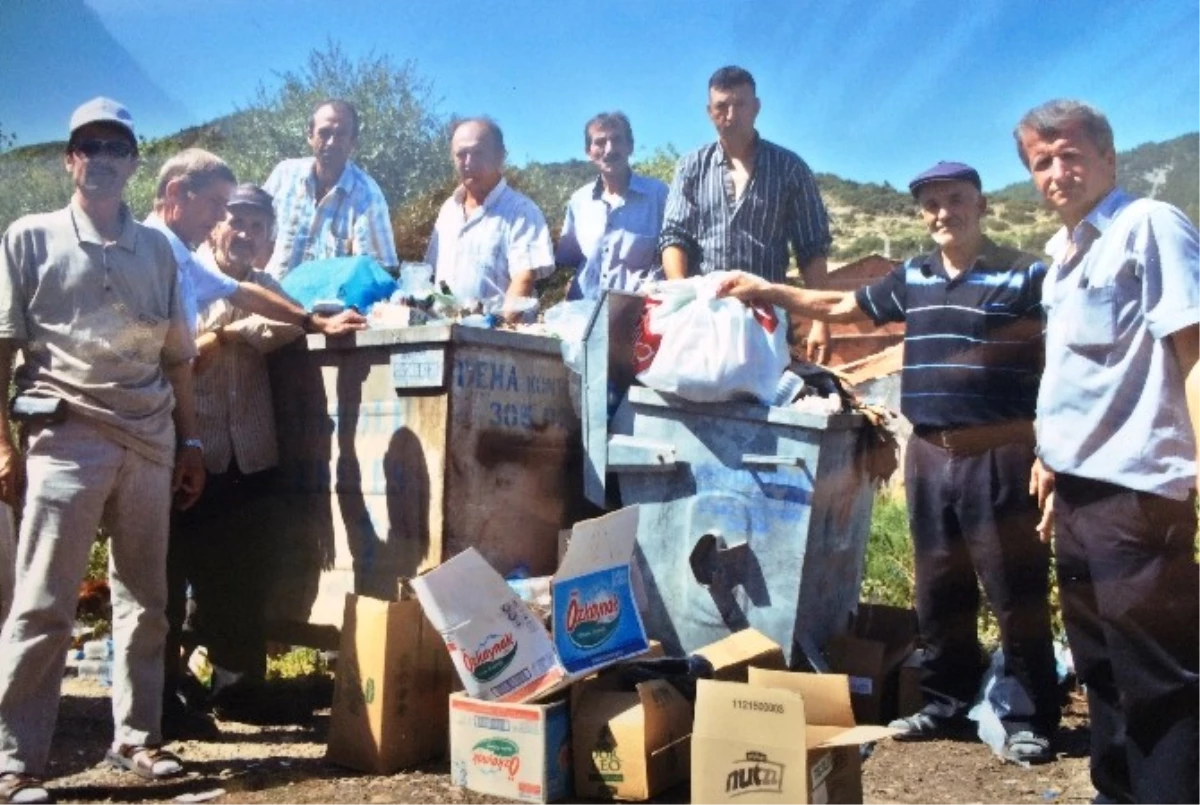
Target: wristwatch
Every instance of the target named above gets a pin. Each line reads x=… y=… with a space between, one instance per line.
x=307 y=324
x=192 y=443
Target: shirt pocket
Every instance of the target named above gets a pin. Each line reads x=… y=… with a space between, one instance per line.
x=1093 y=318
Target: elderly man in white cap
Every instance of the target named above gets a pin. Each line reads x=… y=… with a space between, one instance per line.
x=92 y=299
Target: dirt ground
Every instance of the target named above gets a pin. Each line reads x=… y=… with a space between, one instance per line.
x=286 y=764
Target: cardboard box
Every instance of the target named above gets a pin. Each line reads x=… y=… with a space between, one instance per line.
x=732 y=656
x=629 y=744
x=501 y=650
x=781 y=737
x=909 y=696
x=595 y=619
x=871 y=653
x=515 y=751
x=393 y=675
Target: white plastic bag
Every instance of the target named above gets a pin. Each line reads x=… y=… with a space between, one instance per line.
x=706 y=349
x=569 y=320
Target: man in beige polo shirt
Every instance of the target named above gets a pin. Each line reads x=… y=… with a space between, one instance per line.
x=91 y=298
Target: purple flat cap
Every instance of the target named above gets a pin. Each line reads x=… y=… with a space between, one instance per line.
x=946 y=172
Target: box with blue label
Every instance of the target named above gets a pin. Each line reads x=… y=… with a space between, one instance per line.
x=514 y=751
x=596 y=620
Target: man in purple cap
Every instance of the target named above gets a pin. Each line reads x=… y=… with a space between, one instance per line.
x=973 y=354
x=92 y=299
x=217 y=546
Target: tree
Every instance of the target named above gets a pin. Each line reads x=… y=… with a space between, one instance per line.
x=402 y=141
x=661 y=164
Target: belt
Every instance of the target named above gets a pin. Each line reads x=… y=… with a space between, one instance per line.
x=977 y=438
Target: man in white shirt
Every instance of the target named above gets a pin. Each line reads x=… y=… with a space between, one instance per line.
x=490 y=243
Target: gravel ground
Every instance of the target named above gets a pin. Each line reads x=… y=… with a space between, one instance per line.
x=286 y=764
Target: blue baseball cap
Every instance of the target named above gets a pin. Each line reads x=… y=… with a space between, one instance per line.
x=946 y=172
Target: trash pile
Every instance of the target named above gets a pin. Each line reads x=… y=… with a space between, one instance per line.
x=588 y=707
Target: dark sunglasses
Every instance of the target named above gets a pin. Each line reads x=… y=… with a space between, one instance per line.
x=117 y=149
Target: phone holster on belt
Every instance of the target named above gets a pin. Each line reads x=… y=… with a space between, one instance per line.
x=38 y=410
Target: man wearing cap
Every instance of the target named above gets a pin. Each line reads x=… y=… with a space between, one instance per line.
x=739 y=203
x=216 y=546
x=1117 y=438
x=326 y=205
x=610 y=232
x=92 y=299
x=193 y=188
x=489 y=241
x=973 y=355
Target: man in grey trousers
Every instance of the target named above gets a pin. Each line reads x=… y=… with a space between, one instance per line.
x=92 y=299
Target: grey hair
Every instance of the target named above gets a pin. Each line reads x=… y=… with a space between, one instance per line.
x=197 y=167
x=1049 y=119
x=490 y=125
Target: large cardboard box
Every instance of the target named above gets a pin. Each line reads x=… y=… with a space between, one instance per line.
x=732 y=656
x=871 y=653
x=393 y=677
x=515 y=751
x=629 y=745
x=501 y=651
x=909 y=697
x=595 y=619
x=781 y=737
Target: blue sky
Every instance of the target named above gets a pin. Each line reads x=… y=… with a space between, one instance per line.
x=871 y=91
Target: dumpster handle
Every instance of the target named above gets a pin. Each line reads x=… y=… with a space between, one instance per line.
x=753 y=460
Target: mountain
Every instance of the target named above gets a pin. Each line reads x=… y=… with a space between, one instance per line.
x=878 y=218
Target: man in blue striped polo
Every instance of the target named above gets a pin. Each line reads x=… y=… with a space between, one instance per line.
x=973 y=355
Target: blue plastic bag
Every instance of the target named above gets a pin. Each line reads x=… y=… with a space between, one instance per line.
x=357 y=282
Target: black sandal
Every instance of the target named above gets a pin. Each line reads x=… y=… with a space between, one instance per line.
x=147 y=762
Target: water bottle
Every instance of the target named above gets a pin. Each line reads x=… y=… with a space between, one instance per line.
x=95 y=661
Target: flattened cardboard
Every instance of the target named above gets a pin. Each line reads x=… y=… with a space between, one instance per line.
x=501 y=651
x=629 y=745
x=514 y=751
x=393 y=673
x=595 y=619
x=733 y=655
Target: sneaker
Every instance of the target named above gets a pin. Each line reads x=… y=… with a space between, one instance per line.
x=1027 y=748
x=922 y=726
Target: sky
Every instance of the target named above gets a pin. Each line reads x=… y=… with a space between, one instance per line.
x=871 y=91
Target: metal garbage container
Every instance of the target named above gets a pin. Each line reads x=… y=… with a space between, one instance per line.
x=750 y=515
x=400 y=448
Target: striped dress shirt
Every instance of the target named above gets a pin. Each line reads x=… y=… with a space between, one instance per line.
x=234 y=410
x=352 y=219
x=779 y=205
x=973 y=345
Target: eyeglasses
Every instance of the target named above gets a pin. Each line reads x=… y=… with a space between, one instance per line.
x=117 y=149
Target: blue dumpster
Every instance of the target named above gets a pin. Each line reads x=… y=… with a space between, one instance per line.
x=750 y=515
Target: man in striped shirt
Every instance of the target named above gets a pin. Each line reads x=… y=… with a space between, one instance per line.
x=738 y=203
x=325 y=205
x=973 y=355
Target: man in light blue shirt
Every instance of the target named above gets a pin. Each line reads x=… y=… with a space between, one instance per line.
x=1117 y=424
x=610 y=234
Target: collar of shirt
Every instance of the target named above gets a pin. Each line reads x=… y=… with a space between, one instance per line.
x=183 y=252
x=637 y=184
x=723 y=157
x=988 y=257
x=460 y=196
x=344 y=184
x=1096 y=221
x=85 y=230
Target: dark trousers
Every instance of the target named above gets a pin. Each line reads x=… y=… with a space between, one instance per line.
x=1131 y=602
x=971 y=516
x=215 y=549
